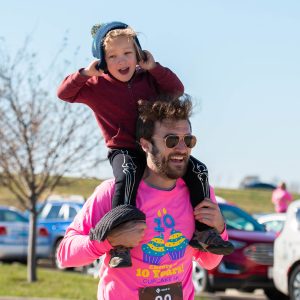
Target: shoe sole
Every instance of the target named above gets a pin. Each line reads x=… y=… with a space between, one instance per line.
x=222 y=251
x=219 y=251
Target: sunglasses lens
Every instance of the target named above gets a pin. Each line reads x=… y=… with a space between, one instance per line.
x=190 y=141
x=172 y=141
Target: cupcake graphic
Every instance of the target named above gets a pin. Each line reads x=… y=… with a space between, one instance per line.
x=154 y=250
x=176 y=245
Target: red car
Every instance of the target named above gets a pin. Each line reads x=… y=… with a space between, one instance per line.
x=250 y=266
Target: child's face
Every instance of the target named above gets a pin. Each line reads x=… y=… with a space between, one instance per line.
x=120 y=56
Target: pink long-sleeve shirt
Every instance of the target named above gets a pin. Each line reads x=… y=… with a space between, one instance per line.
x=170 y=225
x=281 y=199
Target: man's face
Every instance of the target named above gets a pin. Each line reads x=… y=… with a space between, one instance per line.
x=169 y=162
x=120 y=56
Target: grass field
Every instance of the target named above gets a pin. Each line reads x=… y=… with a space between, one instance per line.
x=51 y=284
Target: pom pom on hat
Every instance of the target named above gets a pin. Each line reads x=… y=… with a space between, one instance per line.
x=95 y=29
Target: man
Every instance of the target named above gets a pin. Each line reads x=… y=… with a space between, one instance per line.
x=281 y=198
x=161 y=255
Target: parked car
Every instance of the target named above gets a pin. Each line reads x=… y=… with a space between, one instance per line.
x=14 y=229
x=250 y=266
x=272 y=222
x=260 y=185
x=56 y=216
x=287 y=254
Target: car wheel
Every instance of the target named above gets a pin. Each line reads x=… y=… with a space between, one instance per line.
x=294 y=284
x=55 y=262
x=274 y=294
x=200 y=279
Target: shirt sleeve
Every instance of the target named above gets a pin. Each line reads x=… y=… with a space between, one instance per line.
x=205 y=259
x=76 y=248
x=288 y=197
x=167 y=81
x=74 y=88
x=274 y=197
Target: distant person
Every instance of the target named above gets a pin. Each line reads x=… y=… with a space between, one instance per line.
x=281 y=198
x=161 y=255
x=111 y=86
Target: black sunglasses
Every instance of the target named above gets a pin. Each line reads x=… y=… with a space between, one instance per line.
x=173 y=140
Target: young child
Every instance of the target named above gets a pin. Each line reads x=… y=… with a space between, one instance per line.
x=111 y=86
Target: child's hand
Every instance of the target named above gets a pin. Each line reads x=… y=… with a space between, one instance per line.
x=91 y=70
x=149 y=63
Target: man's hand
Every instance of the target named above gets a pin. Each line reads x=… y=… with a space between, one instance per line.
x=91 y=70
x=149 y=63
x=128 y=234
x=209 y=213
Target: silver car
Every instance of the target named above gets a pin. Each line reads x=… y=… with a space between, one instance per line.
x=14 y=229
x=272 y=222
x=287 y=254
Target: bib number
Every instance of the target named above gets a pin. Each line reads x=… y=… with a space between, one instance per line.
x=162 y=292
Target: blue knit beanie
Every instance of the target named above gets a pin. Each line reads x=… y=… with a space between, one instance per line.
x=97 y=46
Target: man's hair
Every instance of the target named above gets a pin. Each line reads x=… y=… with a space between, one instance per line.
x=164 y=108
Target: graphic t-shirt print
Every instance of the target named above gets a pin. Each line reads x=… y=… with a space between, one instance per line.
x=174 y=246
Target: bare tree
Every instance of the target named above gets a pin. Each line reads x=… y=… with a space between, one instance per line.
x=41 y=138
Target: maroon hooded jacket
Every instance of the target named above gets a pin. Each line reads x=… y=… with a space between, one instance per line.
x=115 y=103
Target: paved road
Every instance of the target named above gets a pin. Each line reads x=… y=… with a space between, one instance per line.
x=232 y=294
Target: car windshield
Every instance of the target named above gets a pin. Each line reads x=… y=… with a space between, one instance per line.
x=60 y=211
x=52 y=212
x=238 y=219
x=274 y=225
x=11 y=216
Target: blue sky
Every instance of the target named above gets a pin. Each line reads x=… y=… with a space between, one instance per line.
x=238 y=59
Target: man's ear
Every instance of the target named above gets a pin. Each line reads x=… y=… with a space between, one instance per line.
x=145 y=144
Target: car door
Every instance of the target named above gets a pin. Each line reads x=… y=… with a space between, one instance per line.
x=14 y=237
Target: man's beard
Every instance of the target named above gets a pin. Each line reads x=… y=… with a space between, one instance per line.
x=162 y=165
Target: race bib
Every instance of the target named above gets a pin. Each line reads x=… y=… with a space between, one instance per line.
x=162 y=292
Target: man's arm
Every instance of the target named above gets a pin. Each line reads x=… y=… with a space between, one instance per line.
x=76 y=248
x=208 y=212
x=128 y=235
x=274 y=197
